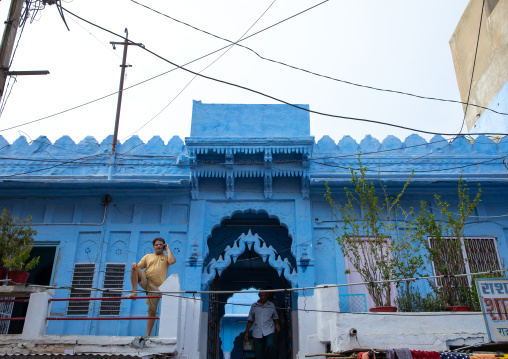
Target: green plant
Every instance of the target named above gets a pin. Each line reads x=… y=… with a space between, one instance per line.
x=444 y=248
x=475 y=298
x=19 y=260
x=16 y=242
x=412 y=300
x=377 y=235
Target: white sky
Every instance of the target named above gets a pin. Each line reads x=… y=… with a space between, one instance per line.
x=393 y=44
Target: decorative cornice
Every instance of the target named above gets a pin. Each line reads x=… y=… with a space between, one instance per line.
x=250 y=241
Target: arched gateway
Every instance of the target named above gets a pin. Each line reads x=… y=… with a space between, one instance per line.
x=248 y=262
x=251 y=242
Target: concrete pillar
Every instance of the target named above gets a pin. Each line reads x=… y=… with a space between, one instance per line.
x=327 y=303
x=35 y=319
x=192 y=324
x=307 y=337
x=316 y=328
x=170 y=309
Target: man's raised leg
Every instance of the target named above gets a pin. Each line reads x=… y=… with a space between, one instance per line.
x=135 y=278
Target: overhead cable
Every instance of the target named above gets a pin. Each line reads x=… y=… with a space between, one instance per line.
x=312 y=72
x=298 y=289
x=192 y=79
x=156 y=76
x=275 y=98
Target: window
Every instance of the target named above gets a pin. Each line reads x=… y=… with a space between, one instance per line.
x=365 y=259
x=81 y=278
x=113 y=279
x=479 y=254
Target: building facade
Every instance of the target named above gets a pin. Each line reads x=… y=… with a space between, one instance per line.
x=241 y=204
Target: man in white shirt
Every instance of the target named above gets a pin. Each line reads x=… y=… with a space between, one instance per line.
x=264 y=321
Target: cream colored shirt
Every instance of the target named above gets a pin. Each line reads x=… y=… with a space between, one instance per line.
x=156 y=267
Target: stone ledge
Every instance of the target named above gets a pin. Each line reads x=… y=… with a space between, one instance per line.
x=81 y=344
x=19 y=290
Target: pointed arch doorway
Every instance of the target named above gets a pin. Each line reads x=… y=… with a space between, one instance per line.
x=248 y=261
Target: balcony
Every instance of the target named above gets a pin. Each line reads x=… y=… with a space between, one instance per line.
x=34 y=340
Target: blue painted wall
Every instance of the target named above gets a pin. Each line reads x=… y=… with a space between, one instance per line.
x=494 y=122
x=183 y=191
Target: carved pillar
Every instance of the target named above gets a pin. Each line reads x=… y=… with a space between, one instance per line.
x=304 y=240
x=268 y=174
x=194 y=176
x=305 y=175
x=194 y=186
x=230 y=179
x=195 y=246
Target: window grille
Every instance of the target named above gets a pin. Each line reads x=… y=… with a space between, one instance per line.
x=82 y=278
x=113 y=279
x=353 y=303
x=482 y=254
x=5 y=312
x=478 y=255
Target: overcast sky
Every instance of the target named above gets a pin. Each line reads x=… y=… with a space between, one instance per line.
x=399 y=45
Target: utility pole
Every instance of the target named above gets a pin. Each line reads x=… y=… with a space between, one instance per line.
x=8 y=38
x=7 y=45
x=125 y=45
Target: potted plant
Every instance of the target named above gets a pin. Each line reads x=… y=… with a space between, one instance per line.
x=445 y=247
x=16 y=243
x=376 y=235
x=19 y=265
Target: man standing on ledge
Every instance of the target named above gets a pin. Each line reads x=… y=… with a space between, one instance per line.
x=156 y=272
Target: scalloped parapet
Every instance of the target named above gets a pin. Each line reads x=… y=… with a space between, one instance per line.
x=272 y=157
x=252 y=242
x=439 y=157
x=90 y=159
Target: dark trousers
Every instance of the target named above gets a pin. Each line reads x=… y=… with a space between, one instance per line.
x=264 y=348
x=281 y=343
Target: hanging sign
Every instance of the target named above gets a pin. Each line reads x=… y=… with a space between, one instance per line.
x=493 y=293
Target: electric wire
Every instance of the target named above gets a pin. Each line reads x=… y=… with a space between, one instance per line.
x=98 y=40
x=312 y=72
x=178 y=66
x=423 y=171
x=192 y=79
x=156 y=76
x=221 y=164
x=297 y=289
x=474 y=64
x=316 y=159
x=8 y=89
x=294 y=160
x=275 y=98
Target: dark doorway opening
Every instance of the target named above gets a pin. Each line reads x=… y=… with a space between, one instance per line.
x=248 y=271
x=41 y=275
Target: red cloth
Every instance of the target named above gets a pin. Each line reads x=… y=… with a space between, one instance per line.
x=421 y=354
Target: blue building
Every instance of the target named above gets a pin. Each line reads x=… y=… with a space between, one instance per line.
x=240 y=202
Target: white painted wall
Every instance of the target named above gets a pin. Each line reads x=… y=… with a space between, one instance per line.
x=419 y=331
x=170 y=308
x=35 y=319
